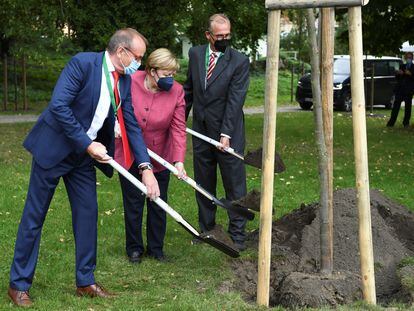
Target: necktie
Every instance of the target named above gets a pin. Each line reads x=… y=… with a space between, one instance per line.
x=128 y=157
x=211 y=65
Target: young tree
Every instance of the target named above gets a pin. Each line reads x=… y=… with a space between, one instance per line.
x=323 y=159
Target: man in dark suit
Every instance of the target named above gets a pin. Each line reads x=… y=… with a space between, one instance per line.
x=404 y=91
x=76 y=131
x=216 y=87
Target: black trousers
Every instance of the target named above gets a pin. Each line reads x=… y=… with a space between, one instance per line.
x=233 y=173
x=134 y=201
x=407 y=99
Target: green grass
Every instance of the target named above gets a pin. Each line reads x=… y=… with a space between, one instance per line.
x=191 y=280
x=255 y=95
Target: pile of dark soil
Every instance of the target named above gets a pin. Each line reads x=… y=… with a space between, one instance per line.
x=254 y=158
x=251 y=200
x=220 y=234
x=295 y=281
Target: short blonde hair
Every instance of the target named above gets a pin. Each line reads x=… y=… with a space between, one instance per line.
x=162 y=59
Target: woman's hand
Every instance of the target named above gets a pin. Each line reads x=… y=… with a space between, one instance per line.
x=181 y=171
x=149 y=180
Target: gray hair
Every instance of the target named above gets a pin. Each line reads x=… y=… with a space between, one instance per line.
x=123 y=37
x=220 y=18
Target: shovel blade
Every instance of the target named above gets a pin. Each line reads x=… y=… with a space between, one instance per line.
x=254 y=158
x=228 y=250
x=224 y=248
x=241 y=211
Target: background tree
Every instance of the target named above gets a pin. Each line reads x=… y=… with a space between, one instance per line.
x=93 y=22
x=297 y=39
x=386 y=25
x=28 y=29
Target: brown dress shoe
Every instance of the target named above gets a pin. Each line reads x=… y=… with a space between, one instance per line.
x=20 y=298
x=94 y=290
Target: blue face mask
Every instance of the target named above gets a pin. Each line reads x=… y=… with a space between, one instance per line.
x=132 y=67
x=165 y=83
x=409 y=61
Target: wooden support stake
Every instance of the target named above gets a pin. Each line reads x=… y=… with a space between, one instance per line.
x=302 y=4
x=327 y=52
x=269 y=138
x=361 y=155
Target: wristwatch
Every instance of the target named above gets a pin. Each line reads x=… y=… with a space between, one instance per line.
x=146 y=166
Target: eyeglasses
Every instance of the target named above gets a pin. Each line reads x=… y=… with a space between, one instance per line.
x=221 y=37
x=137 y=58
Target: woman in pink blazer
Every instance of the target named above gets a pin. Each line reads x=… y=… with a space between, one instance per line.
x=159 y=107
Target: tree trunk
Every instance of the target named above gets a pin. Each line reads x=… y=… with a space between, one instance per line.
x=15 y=84
x=24 y=83
x=327 y=51
x=319 y=130
x=5 y=85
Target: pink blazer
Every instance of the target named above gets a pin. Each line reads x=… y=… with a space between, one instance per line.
x=161 y=117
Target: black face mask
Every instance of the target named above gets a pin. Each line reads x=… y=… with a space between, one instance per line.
x=221 y=45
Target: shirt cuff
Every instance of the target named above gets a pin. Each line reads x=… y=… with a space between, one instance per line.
x=225 y=135
x=143 y=164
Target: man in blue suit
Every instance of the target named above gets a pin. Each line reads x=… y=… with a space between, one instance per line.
x=75 y=132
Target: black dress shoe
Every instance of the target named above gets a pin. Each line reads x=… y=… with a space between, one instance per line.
x=135 y=257
x=160 y=258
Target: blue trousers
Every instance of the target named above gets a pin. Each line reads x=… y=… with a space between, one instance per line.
x=134 y=201
x=79 y=176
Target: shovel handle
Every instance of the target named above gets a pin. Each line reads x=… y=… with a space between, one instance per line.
x=163 y=162
x=214 y=143
x=174 y=170
x=160 y=202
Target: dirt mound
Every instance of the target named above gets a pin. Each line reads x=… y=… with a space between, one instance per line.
x=219 y=234
x=251 y=200
x=295 y=281
x=254 y=158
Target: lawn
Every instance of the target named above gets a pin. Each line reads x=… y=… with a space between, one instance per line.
x=192 y=279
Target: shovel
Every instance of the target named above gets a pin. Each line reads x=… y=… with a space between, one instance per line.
x=177 y=217
x=244 y=212
x=253 y=158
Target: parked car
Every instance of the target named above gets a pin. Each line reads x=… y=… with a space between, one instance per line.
x=384 y=82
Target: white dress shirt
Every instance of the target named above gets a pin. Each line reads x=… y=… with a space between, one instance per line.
x=104 y=103
x=218 y=54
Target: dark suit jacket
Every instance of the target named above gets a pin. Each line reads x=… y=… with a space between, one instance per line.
x=405 y=83
x=219 y=105
x=61 y=128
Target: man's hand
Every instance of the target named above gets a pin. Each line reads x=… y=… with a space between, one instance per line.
x=407 y=72
x=181 y=171
x=148 y=179
x=98 y=152
x=225 y=141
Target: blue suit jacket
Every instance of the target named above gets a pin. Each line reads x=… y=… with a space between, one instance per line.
x=61 y=128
